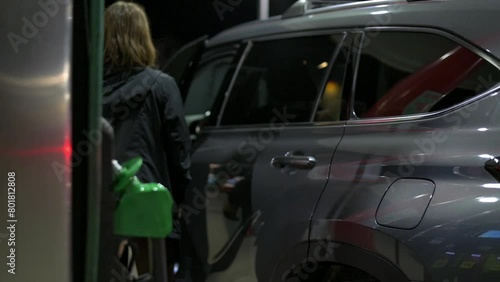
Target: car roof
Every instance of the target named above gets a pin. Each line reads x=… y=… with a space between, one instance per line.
x=476 y=21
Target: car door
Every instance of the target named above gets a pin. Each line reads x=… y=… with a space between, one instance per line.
x=259 y=171
x=271 y=111
x=203 y=75
x=408 y=181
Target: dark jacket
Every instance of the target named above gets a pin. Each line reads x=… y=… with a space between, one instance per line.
x=145 y=108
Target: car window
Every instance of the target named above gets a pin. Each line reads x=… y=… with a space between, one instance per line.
x=280 y=77
x=209 y=82
x=402 y=73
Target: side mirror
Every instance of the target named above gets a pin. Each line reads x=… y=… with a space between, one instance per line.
x=143 y=209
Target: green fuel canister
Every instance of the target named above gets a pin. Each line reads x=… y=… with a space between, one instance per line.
x=143 y=209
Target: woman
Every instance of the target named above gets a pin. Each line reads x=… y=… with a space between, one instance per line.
x=143 y=105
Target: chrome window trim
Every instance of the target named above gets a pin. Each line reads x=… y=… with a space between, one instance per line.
x=299 y=34
x=256 y=127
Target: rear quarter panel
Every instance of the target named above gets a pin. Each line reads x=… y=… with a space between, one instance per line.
x=450 y=150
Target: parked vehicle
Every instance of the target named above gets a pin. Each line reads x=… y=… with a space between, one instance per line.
x=346 y=142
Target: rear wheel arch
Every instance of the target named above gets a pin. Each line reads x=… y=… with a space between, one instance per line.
x=329 y=272
x=333 y=261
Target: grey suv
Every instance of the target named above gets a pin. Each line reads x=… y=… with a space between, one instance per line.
x=346 y=142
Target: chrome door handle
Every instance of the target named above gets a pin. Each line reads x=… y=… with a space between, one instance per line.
x=301 y=162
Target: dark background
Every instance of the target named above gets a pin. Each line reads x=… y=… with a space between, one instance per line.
x=176 y=22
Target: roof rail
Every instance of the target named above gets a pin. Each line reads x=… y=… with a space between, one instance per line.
x=323 y=3
x=297 y=9
x=301 y=7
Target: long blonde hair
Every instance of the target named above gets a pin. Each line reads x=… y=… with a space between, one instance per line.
x=127 y=38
